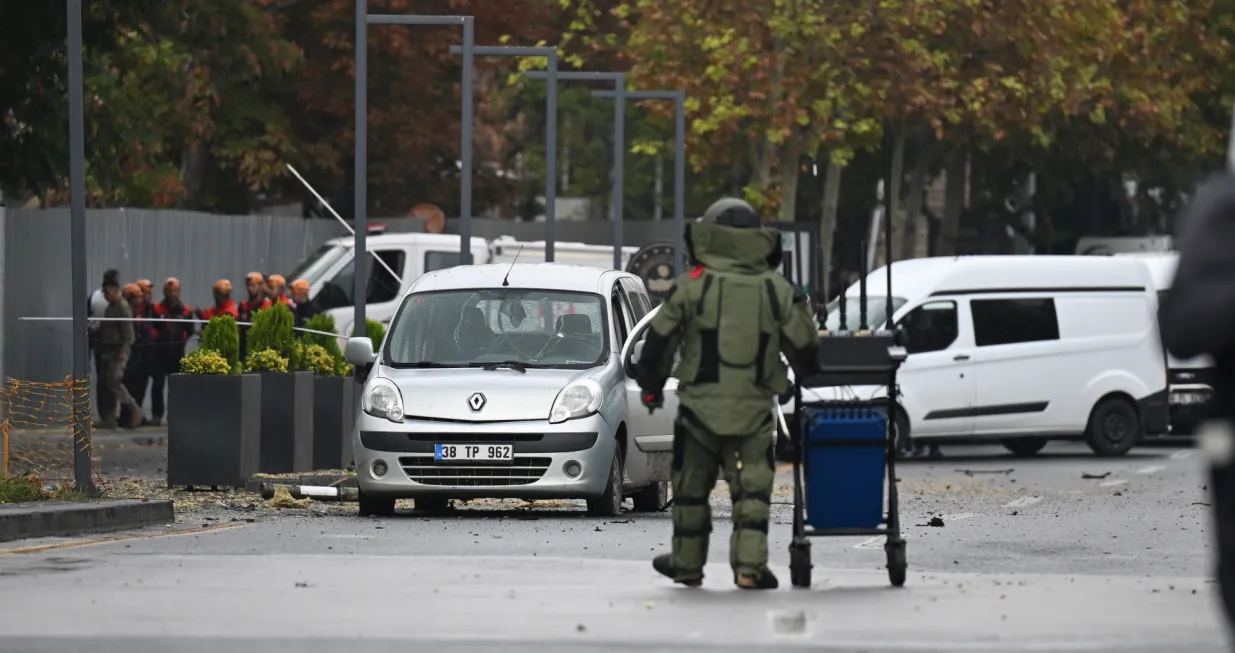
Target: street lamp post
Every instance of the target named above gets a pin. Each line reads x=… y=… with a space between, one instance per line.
x=550 y=128
x=679 y=169
x=619 y=141
x=77 y=246
x=363 y=20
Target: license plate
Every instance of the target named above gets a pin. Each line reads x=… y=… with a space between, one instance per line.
x=473 y=452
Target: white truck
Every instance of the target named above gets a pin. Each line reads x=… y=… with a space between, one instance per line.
x=330 y=270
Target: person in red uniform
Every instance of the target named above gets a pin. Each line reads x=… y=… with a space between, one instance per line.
x=255 y=283
x=171 y=338
x=301 y=306
x=136 y=372
x=223 y=304
x=278 y=290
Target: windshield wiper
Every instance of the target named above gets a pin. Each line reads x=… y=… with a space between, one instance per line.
x=419 y=365
x=514 y=365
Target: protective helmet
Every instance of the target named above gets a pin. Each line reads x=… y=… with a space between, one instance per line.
x=172 y=283
x=145 y=285
x=255 y=277
x=732 y=212
x=130 y=290
x=276 y=281
x=300 y=286
x=223 y=287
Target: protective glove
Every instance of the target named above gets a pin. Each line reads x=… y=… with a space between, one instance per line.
x=653 y=399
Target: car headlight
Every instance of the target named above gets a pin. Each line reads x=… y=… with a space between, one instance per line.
x=579 y=399
x=383 y=399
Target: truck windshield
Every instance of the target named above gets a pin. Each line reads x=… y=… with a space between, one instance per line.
x=316 y=264
x=533 y=328
x=876 y=312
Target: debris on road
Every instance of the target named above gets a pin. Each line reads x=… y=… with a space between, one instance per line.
x=283 y=499
x=935 y=522
x=1094 y=477
x=972 y=472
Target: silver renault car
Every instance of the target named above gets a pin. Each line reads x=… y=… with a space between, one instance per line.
x=512 y=381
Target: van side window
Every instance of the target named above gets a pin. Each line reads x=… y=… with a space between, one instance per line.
x=382 y=287
x=931 y=327
x=1009 y=321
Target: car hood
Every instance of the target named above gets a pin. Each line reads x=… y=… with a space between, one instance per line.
x=445 y=394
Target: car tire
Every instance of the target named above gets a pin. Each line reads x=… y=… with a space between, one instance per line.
x=1114 y=428
x=1024 y=447
x=371 y=506
x=904 y=436
x=653 y=498
x=609 y=504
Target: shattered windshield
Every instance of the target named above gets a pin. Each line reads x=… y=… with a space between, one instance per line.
x=528 y=328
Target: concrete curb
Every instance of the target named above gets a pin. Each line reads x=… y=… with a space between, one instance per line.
x=254 y=484
x=53 y=518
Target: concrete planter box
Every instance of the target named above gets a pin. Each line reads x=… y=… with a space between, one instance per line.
x=333 y=417
x=213 y=429
x=287 y=422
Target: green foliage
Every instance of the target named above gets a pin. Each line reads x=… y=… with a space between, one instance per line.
x=21 y=489
x=205 y=361
x=373 y=331
x=265 y=360
x=319 y=361
x=223 y=336
x=325 y=322
x=273 y=328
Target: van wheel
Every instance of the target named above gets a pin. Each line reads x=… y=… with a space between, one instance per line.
x=609 y=504
x=904 y=439
x=1114 y=428
x=653 y=498
x=1024 y=447
x=371 y=506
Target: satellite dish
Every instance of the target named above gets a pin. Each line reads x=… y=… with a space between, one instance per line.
x=435 y=220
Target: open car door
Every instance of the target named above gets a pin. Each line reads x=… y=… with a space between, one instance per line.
x=652 y=434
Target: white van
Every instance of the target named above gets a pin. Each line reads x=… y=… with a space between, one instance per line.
x=330 y=271
x=506 y=248
x=1189 y=379
x=1021 y=349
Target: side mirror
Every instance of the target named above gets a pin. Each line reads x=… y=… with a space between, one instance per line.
x=636 y=352
x=360 y=352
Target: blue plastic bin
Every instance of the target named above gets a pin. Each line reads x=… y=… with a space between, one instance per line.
x=844 y=484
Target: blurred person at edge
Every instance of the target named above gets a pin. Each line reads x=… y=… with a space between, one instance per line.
x=223 y=303
x=303 y=307
x=1196 y=316
x=277 y=290
x=137 y=371
x=171 y=338
x=255 y=283
x=96 y=306
x=115 y=339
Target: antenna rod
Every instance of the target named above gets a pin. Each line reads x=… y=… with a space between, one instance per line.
x=887 y=222
x=343 y=222
x=506 y=279
x=862 y=325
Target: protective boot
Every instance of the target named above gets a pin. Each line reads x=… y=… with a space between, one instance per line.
x=764 y=581
x=663 y=563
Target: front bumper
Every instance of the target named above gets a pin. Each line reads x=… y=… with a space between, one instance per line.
x=542 y=452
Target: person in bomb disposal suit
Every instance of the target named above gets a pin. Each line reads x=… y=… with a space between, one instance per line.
x=729 y=377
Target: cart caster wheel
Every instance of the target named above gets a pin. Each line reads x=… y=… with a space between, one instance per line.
x=799 y=564
x=897 y=565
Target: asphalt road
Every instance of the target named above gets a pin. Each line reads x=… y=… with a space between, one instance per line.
x=1032 y=555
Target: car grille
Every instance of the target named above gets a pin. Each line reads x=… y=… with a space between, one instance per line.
x=520 y=471
x=463 y=438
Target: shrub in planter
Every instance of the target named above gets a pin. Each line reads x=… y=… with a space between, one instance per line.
x=266 y=360
x=214 y=419
x=324 y=322
x=223 y=336
x=334 y=394
x=273 y=329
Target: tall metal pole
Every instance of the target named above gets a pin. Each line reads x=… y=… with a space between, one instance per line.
x=888 y=146
x=551 y=159
x=82 y=477
x=550 y=127
x=619 y=163
x=360 y=280
x=465 y=185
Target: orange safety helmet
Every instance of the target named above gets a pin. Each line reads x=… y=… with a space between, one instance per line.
x=130 y=290
x=300 y=286
x=173 y=283
x=254 y=277
x=277 y=281
x=223 y=287
x=144 y=285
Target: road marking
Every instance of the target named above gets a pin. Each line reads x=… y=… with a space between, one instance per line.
x=873 y=543
x=117 y=538
x=1022 y=502
x=1183 y=454
x=1115 y=483
x=1151 y=469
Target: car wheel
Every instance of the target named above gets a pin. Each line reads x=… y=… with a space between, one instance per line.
x=653 y=498
x=1114 y=428
x=1024 y=447
x=371 y=506
x=432 y=505
x=609 y=504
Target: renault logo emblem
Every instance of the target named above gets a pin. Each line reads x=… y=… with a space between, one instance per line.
x=476 y=402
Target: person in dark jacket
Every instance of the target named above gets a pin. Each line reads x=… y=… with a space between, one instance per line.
x=1197 y=317
x=304 y=308
x=96 y=306
x=171 y=338
x=137 y=371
